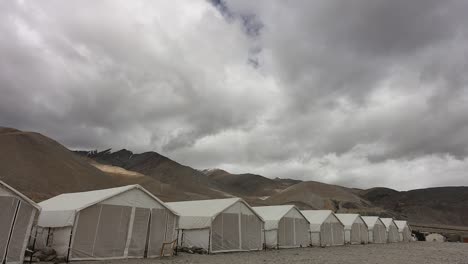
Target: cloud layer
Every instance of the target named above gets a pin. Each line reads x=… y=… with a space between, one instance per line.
x=362 y=93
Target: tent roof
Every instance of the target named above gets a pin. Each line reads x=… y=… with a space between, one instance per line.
x=316 y=216
x=387 y=222
x=273 y=214
x=348 y=219
x=371 y=221
x=401 y=224
x=199 y=214
x=81 y=200
x=22 y=196
x=202 y=207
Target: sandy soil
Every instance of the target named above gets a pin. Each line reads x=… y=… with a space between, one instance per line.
x=401 y=253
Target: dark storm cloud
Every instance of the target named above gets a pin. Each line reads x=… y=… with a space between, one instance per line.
x=359 y=92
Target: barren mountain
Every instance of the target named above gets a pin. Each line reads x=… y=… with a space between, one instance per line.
x=183 y=178
x=247 y=184
x=41 y=168
x=442 y=205
x=316 y=195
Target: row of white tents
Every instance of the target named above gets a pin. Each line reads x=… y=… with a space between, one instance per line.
x=130 y=222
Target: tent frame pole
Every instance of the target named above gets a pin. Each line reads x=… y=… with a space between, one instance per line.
x=70 y=240
x=209 y=243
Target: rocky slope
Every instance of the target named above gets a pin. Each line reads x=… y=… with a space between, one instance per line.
x=41 y=168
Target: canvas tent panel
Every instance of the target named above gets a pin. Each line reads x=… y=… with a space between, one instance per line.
x=254 y=234
x=289 y=231
x=112 y=231
x=380 y=233
x=231 y=231
x=363 y=233
x=157 y=230
x=139 y=232
x=355 y=234
x=58 y=240
x=8 y=206
x=326 y=234
x=171 y=233
x=244 y=232
x=85 y=232
x=19 y=234
x=217 y=234
x=281 y=231
x=406 y=234
x=195 y=238
x=393 y=234
x=225 y=232
x=338 y=234
x=301 y=232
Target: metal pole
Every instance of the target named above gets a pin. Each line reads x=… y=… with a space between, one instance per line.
x=209 y=242
x=48 y=235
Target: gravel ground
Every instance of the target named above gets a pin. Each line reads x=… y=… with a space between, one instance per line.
x=404 y=253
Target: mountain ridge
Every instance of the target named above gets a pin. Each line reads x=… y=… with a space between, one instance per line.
x=41 y=168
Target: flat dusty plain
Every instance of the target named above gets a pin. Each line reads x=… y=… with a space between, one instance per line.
x=400 y=253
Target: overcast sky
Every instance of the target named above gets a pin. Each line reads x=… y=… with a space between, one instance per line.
x=361 y=93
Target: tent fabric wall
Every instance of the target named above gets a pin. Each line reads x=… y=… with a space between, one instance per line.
x=140 y=229
x=119 y=223
x=326 y=229
x=356 y=230
x=16 y=219
x=285 y=226
x=195 y=238
x=379 y=234
x=376 y=229
x=219 y=225
x=393 y=235
x=404 y=230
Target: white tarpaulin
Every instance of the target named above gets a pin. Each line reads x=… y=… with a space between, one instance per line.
x=404 y=230
x=112 y=223
x=285 y=226
x=219 y=225
x=376 y=228
x=356 y=230
x=17 y=213
x=325 y=228
x=392 y=230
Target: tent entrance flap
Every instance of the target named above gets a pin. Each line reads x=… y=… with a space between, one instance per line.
x=101 y=232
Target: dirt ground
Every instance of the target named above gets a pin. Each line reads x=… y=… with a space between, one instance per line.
x=400 y=253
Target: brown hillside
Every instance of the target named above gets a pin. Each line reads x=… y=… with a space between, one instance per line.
x=441 y=206
x=194 y=183
x=316 y=195
x=247 y=184
x=41 y=168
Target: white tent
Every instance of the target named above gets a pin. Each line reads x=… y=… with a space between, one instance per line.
x=285 y=226
x=123 y=222
x=219 y=225
x=392 y=230
x=377 y=229
x=356 y=230
x=434 y=237
x=17 y=214
x=404 y=230
x=325 y=228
